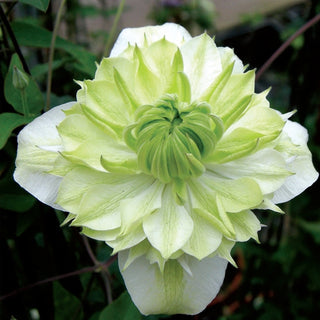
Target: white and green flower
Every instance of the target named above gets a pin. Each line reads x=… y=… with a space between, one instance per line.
x=163 y=156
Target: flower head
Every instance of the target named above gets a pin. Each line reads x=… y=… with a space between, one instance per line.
x=163 y=156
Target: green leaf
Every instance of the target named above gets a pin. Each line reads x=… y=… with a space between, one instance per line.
x=32 y=95
x=33 y=36
x=39 y=4
x=66 y=305
x=121 y=309
x=8 y=122
x=313 y=228
x=16 y=202
x=42 y=69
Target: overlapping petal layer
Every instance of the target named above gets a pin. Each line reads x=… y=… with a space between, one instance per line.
x=164 y=156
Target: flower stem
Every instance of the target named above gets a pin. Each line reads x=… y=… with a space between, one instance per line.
x=51 y=52
x=104 y=270
x=114 y=28
x=286 y=44
x=59 y=277
x=24 y=103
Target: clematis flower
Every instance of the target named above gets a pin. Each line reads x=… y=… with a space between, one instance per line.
x=163 y=156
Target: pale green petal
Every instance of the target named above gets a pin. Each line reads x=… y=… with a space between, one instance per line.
x=147 y=83
x=103 y=155
x=102 y=235
x=105 y=70
x=99 y=208
x=260 y=100
x=240 y=143
x=104 y=105
x=261 y=120
x=137 y=251
x=100 y=205
x=146 y=35
x=211 y=217
x=133 y=238
x=75 y=184
x=246 y=225
x=121 y=71
x=85 y=144
x=95 y=196
x=133 y=210
x=300 y=164
x=180 y=86
x=267 y=167
x=164 y=59
x=235 y=195
x=268 y=204
x=38 y=146
x=175 y=290
x=170 y=227
x=204 y=240
x=154 y=257
x=227 y=57
x=76 y=129
x=254 y=130
x=234 y=98
x=224 y=251
x=201 y=63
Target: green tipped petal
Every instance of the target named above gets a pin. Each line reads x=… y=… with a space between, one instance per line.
x=267 y=167
x=170 y=227
x=172 y=291
x=205 y=238
x=202 y=63
x=246 y=225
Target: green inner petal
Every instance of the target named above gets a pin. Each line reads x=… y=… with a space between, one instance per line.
x=235 y=195
x=205 y=238
x=170 y=227
x=233 y=99
x=95 y=196
x=103 y=102
x=246 y=225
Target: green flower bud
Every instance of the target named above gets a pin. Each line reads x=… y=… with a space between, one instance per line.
x=20 y=79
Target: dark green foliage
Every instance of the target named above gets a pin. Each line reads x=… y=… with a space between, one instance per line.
x=121 y=309
x=31 y=94
x=39 y=4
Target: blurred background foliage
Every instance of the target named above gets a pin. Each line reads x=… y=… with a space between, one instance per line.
x=52 y=272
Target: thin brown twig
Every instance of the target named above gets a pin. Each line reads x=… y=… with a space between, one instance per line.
x=104 y=270
x=59 y=277
x=286 y=44
x=114 y=28
x=51 y=52
x=89 y=250
x=13 y=39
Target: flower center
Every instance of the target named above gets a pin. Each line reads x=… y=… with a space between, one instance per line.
x=171 y=138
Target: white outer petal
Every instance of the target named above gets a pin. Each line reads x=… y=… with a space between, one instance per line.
x=147 y=288
x=305 y=173
x=171 y=31
x=202 y=63
x=228 y=54
x=40 y=137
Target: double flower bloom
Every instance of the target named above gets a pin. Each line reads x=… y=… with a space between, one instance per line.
x=163 y=156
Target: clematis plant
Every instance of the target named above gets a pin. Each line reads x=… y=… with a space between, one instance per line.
x=163 y=156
